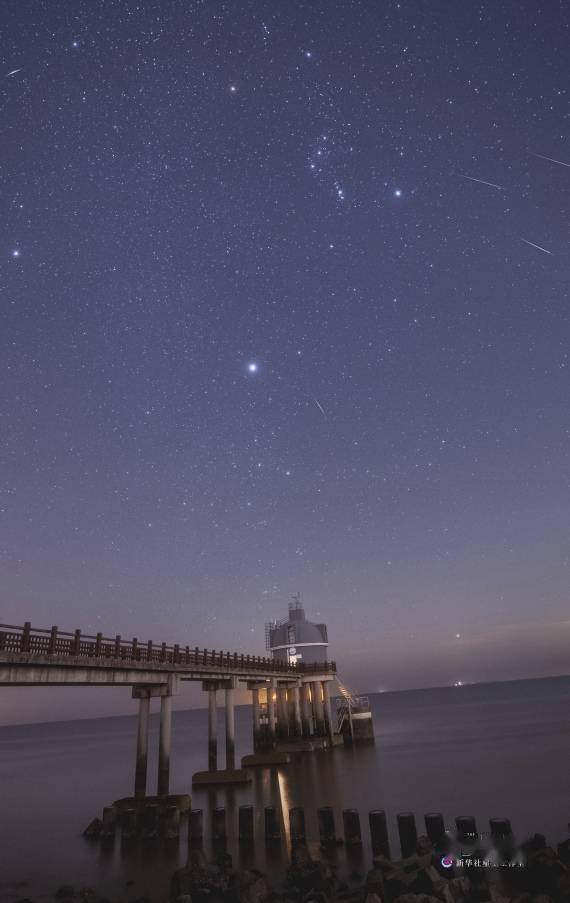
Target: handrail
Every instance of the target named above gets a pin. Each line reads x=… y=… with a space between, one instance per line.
x=57 y=643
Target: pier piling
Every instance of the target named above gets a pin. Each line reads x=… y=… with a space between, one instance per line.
x=408 y=833
x=272 y=826
x=297 y=826
x=142 y=744
x=351 y=827
x=109 y=822
x=195 y=827
x=219 y=833
x=435 y=828
x=245 y=825
x=379 y=833
x=466 y=828
x=164 y=745
x=327 y=833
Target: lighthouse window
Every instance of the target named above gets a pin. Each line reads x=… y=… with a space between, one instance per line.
x=291 y=634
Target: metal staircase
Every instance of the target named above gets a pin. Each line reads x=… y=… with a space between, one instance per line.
x=347 y=704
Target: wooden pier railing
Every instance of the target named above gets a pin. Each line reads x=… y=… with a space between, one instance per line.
x=28 y=640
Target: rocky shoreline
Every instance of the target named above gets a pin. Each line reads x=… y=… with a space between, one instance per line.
x=540 y=874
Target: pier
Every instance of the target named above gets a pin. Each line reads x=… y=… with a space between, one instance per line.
x=290 y=700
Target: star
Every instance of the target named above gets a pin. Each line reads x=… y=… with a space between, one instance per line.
x=16 y=252
x=233 y=89
x=398 y=193
x=252 y=367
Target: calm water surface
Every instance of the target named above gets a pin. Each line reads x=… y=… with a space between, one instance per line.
x=485 y=750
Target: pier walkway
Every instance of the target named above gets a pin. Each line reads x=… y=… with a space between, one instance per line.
x=290 y=702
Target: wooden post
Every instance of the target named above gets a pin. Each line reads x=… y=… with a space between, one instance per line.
x=52 y=641
x=176 y=654
x=149 y=651
x=163 y=652
x=134 y=649
x=187 y=655
x=118 y=646
x=76 y=643
x=25 y=638
x=98 y=645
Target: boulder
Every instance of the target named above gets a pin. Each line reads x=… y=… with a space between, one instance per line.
x=250 y=887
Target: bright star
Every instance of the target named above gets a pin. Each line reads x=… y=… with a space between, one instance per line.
x=252 y=367
x=15 y=252
x=398 y=193
x=233 y=89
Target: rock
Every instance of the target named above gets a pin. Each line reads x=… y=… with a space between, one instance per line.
x=372 y=898
x=424 y=845
x=64 y=892
x=304 y=874
x=382 y=863
x=94 y=828
x=250 y=887
x=374 y=883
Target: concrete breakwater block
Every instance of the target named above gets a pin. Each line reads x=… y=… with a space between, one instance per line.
x=265 y=759
x=225 y=776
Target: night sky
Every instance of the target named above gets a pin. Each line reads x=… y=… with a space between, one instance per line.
x=284 y=294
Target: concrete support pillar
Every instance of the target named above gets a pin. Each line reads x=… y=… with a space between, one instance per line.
x=282 y=714
x=306 y=712
x=230 y=731
x=142 y=746
x=295 y=726
x=212 y=731
x=257 y=740
x=164 y=745
x=318 y=708
x=329 y=725
x=271 y=713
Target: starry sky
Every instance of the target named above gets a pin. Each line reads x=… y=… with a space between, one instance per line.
x=284 y=308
